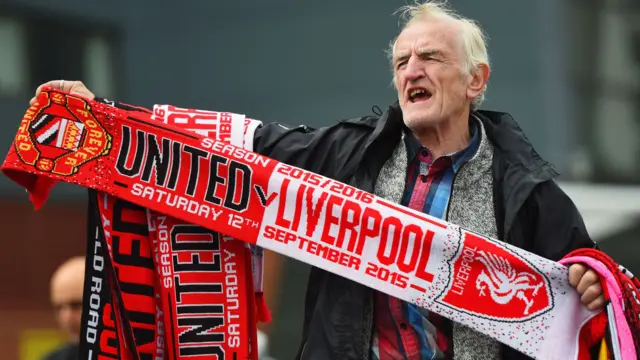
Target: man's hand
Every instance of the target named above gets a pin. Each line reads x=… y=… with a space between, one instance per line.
x=587 y=283
x=72 y=87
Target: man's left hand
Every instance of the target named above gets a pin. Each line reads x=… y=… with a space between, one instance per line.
x=587 y=283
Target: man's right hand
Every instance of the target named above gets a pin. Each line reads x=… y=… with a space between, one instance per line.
x=72 y=87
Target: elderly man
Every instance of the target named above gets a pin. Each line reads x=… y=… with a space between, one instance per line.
x=66 y=298
x=435 y=152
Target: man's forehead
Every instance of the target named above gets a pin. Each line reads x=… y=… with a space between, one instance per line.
x=424 y=37
x=64 y=292
x=426 y=49
x=68 y=278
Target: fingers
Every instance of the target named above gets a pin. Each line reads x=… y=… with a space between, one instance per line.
x=73 y=87
x=53 y=83
x=595 y=304
x=590 y=278
x=591 y=293
x=56 y=84
x=576 y=271
x=587 y=284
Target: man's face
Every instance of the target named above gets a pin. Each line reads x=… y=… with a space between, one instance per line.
x=66 y=299
x=429 y=77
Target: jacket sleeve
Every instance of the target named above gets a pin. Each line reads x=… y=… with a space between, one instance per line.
x=329 y=151
x=122 y=105
x=291 y=145
x=552 y=224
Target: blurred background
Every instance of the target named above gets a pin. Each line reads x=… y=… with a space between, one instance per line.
x=567 y=70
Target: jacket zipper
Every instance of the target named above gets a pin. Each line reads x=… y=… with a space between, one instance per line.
x=367 y=344
x=304 y=347
x=453 y=181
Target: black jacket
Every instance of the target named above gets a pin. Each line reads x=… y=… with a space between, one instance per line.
x=65 y=352
x=532 y=212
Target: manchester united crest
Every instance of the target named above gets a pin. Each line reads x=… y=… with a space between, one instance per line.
x=490 y=281
x=59 y=134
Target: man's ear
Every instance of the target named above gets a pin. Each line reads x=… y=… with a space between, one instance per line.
x=479 y=80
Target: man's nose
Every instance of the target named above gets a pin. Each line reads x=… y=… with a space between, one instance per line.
x=414 y=69
x=65 y=314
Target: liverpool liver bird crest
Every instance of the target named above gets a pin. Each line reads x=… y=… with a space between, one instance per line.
x=505 y=283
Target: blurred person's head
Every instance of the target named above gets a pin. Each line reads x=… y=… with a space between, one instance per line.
x=66 y=295
x=440 y=66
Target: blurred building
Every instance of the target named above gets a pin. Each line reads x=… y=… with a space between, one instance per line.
x=568 y=70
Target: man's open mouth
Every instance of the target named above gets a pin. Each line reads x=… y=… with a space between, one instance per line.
x=419 y=94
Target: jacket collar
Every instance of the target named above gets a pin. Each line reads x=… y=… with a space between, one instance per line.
x=511 y=142
x=504 y=133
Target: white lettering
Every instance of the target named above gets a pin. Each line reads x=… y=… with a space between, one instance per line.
x=175 y=201
x=233 y=302
x=460 y=281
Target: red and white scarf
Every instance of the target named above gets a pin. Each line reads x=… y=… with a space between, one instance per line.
x=619 y=324
x=514 y=296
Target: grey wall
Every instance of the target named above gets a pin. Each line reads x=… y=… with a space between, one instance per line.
x=304 y=62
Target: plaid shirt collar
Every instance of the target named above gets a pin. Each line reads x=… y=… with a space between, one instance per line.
x=457 y=158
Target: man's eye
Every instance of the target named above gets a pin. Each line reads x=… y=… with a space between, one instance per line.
x=430 y=58
x=401 y=64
